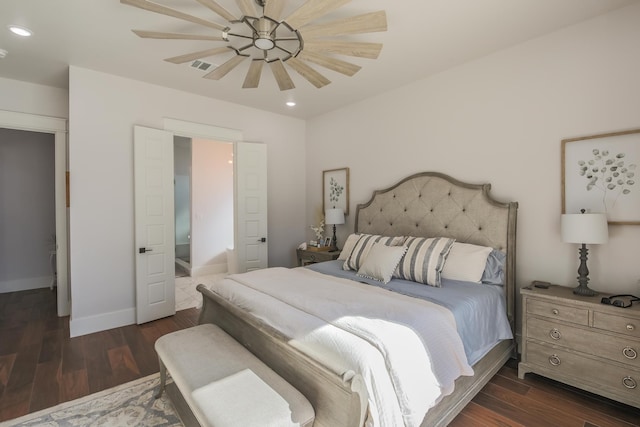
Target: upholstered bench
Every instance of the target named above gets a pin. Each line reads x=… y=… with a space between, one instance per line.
x=225 y=385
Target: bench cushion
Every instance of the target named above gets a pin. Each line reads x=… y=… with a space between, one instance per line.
x=225 y=385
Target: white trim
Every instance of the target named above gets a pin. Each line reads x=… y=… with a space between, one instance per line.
x=102 y=322
x=199 y=130
x=208 y=269
x=58 y=127
x=26 y=284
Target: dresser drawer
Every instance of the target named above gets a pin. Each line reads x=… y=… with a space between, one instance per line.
x=623 y=382
x=624 y=350
x=553 y=310
x=621 y=324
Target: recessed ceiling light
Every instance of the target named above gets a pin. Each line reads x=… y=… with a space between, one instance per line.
x=291 y=104
x=21 y=31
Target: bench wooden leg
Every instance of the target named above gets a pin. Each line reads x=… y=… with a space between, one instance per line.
x=163 y=379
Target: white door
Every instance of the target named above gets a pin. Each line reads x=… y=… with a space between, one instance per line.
x=154 y=224
x=250 y=160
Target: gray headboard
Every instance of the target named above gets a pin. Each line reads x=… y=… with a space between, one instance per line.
x=431 y=204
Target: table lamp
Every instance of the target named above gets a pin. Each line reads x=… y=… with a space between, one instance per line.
x=332 y=217
x=584 y=228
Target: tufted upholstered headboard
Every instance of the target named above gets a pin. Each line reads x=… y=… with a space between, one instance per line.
x=431 y=204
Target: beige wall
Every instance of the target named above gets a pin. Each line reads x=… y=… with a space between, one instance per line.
x=500 y=119
x=103 y=110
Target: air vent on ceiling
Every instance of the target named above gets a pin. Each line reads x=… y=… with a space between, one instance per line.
x=201 y=65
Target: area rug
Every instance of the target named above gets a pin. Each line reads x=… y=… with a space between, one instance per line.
x=130 y=404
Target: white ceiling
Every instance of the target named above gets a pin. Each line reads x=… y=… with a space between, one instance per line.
x=424 y=37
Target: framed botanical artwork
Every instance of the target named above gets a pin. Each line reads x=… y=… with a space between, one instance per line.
x=335 y=189
x=599 y=174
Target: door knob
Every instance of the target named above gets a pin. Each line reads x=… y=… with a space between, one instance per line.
x=144 y=250
x=263 y=239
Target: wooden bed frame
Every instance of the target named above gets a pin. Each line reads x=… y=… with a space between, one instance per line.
x=427 y=204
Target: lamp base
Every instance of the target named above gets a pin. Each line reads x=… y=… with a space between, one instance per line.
x=584 y=291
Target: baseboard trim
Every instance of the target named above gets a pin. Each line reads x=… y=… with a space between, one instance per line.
x=102 y=322
x=208 y=269
x=26 y=284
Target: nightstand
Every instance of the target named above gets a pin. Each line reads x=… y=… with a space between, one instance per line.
x=309 y=256
x=579 y=341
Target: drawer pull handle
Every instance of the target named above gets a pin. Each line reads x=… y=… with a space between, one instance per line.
x=555 y=311
x=629 y=353
x=629 y=383
x=630 y=327
x=555 y=334
x=555 y=360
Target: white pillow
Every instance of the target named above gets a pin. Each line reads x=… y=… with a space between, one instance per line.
x=466 y=262
x=362 y=246
x=381 y=262
x=424 y=260
x=348 y=246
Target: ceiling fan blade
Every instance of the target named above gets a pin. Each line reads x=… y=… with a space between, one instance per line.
x=247 y=7
x=334 y=64
x=311 y=10
x=314 y=77
x=281 y=75
x=367 y=23
x=198 y=55
x=253 y=75
x=175 y=36
x=224 y=69
x=358 y=49
x=214 y=6
x=273 y=9
x=163 y=10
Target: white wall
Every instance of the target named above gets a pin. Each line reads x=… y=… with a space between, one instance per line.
x=500 y=119
x=182 y=192
x=27 y=209
x=212 y=206
x=103 y=110
x=31 y=98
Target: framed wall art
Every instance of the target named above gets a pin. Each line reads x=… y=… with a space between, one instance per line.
x=335 y=189
x=599 y=174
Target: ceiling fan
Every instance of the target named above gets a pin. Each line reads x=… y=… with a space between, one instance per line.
x=261 y=36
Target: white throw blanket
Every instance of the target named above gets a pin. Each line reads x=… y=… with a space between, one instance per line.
x=407 y=350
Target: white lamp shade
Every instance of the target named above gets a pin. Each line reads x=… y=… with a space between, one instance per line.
x=334 y=216
x=584 y=228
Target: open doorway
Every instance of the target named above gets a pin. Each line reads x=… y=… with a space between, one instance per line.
x=28 y=216
x=57 y=262
x=204 y=213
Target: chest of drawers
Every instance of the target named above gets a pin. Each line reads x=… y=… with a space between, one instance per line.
x=581 y=342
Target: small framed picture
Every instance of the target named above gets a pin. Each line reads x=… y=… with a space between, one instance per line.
x=327 y=241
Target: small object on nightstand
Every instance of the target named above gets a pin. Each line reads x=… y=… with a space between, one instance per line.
x=541 y=285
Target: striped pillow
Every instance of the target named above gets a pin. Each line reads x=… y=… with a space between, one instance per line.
x=424 y=260
x=362 y=247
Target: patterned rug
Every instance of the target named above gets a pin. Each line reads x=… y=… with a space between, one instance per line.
x=130 y=404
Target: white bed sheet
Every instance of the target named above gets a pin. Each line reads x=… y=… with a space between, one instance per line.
x=406 y=349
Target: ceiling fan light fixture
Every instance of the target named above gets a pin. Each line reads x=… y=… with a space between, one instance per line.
x=264 y=43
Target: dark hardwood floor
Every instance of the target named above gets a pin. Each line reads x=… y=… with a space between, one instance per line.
x=40 y=366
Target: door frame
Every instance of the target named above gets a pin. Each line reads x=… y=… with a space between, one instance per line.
x=57 y=127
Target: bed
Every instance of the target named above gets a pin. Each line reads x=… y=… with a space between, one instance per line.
x=430 y=207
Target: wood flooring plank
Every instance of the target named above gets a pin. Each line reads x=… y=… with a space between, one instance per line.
x=73 y=354
x=73 y=384
x=46 y=388
x=97 y=362
x=51 y=349
x=123 y=365
x=6 y=365
x=142 y=351
x=522 y=409
x=476 y=415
